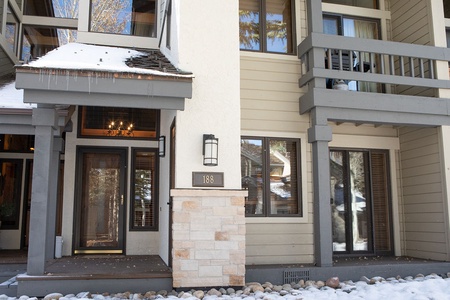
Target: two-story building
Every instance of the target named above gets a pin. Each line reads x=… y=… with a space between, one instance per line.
x=236 y=140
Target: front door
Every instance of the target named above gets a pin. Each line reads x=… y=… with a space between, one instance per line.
x=100 y=200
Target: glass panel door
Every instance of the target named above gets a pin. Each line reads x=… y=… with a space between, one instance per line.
x=351 y=218
x=101 y=174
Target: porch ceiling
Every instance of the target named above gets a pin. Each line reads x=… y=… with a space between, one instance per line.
x=79 y=74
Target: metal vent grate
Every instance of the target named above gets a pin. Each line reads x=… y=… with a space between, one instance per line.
x=295 y=276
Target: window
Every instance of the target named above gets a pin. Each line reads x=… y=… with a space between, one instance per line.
x=38 y=40
x=116 y=122
x=52 y=8
x=447 y=9
x=12 y=26
x=267 y=26
x=129 y=17
x=358 y=28
x=359 y=3
x=270 y=169
x=10 y=188
x=169 y=23
x=16 y=143
x=143 y=193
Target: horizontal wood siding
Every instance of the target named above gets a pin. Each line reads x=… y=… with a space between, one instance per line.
x=409 y=24
x=270 y=103
x=6 y=66
x=423 y=219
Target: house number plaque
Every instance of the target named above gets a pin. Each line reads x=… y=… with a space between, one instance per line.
x=207 y=179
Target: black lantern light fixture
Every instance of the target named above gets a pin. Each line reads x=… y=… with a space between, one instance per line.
x=210 y=150
x=162 y=146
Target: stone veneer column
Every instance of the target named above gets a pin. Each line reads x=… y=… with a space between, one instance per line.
x=208 y=234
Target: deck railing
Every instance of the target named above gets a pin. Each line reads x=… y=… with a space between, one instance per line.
x=347 y=58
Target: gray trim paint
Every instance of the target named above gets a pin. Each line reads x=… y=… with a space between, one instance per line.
x=91 y=90
x=42 y=204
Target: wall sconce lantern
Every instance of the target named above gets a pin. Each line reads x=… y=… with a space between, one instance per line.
x=210 y=150
x=162 y=146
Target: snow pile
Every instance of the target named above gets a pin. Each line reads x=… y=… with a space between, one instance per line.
x=77 y=56
x=10 y=97
x=418 y=288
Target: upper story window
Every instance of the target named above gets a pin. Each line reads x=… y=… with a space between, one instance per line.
x=270 y=169
x=128 y=17
x=267 y=26
x=12 y=27
x=358 y=3
x=447 y=9
x=52 y=8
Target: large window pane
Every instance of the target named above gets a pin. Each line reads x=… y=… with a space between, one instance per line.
x=359 y=3
x=252 y=175
x=10 y=189
x=129 y=17
x=37 y=41
x=12 y=26
x=279 y=26
x=117 y=122
x=283 y=177
x=249 y=25
x=143 y=192
x=52 y=8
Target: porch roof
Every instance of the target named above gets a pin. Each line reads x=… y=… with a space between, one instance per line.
x=82 y=74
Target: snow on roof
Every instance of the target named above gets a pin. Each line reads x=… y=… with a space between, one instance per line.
x=77 y=56
x=10 y=97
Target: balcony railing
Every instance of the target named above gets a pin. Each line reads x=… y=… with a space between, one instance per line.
x=364 y=60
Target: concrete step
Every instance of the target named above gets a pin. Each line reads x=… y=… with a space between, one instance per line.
x=9 y=287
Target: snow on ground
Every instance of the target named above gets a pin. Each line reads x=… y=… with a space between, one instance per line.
x=420 y=288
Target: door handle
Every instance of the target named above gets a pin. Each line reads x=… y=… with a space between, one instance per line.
x=121 y=200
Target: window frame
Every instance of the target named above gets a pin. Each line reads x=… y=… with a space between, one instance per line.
x=155 y=190
x=377 y=6
x=265 y=142
x=263 y=31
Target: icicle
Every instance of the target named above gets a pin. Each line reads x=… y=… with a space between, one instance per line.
x=67 y=80
x=89 y=81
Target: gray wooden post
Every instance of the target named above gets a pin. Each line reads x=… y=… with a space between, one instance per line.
x=45 y=121
x=52 y=204
x=319 y=135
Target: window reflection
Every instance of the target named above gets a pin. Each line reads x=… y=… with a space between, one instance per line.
x=269 y=169
x=37 y=41
x=11 y=29
x=143 y=206
x=129 y=17
x=52 y=8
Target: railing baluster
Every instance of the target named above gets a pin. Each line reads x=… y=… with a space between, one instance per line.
x=392 y=64
x=421 y=68
x=411 y=67
x=350 y=59
x=402 y=66
x=431 y=66
x=330 y=63
x=340 y=60
x=360 y=60
x=382 y=63
x=372 y=63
